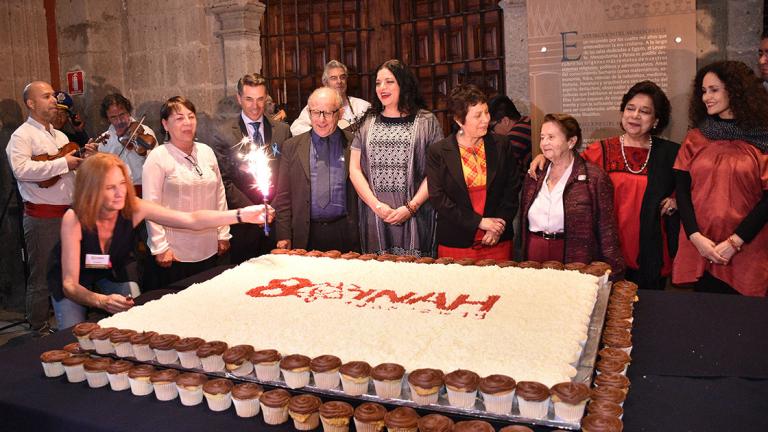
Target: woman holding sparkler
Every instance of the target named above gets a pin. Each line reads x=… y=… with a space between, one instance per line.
x=182 y=174
x=388 y=166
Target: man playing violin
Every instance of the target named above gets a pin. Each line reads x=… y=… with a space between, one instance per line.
x=43 y=206
x=117 y=109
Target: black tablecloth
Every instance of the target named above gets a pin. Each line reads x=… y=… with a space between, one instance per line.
x=699 y=364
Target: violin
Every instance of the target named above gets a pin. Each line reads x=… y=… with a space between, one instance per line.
x=137 y=139
x=63 y=151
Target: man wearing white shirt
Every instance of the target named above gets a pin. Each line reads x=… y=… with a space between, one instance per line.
x=335 y=77
x=43 y=206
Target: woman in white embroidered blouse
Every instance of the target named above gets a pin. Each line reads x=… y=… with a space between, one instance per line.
x=182 y=174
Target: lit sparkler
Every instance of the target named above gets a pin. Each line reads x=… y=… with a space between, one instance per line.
x=257 y=164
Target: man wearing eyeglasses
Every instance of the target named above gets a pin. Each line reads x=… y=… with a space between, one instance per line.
x=335 y=77
x=230 y=142
x=316 y=204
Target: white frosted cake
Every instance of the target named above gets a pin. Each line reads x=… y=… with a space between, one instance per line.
x=529 y=324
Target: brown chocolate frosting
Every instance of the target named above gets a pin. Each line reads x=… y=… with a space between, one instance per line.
x=369 y=412
x=615 y=331
x=571 y=392
x=84 y=328
x=294 y=361
x=356 y=369
x=594 y=270
x=297 y=252
x=620 y=311
x=473 y=426
x=265 y=356
x=163 y=341
x=435 y=423
x=237 y=354
x=465 y=261
x=425 y=260
x=142 y=338
x=605 y=407
x=462 y=379
x=615 y=354
x=247 y=391
x=211 y=348
x=54 y=356
x=618 y=323
x=304 y=404
x=508 y=263
x=621 y=297
x=575 y=266
x=530 y=264
x=366 y=257
x=445 y=260
x=119 y=366
x=141 y=370
x=625 y=285
x=325 y=363
x=618 y=340
x=532 y=391
x=73 y=348
x=164 y=375
x=515 y=428
x=74 y=360
x=402 y=417
x=102 y=333
x=336 y=409
x=333 y=253
x=405 y=258
x=495 y=384
x=612 y=379
x=386 y=257
x=98 y=364
x=349 y=255
x=314 y=253
x=191 y=379
x=612 y=394
x=188 y=344
x=601 y=423
x=121 y=335
x=426 y=378
x=276 y=398
x=601 y=265
x=279 y=251
x=610 y=365
x=555 y=265
x=485 y=262
x=388 y=372
x=218 y=386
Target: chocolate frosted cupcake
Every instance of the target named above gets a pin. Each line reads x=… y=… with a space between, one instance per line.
x=299 y=252
x=601 y=423
x=367 y=257
x=386 y=257
x=498 y=392
x=187 y=350
x=100 y=338
x=435 y=423
x=190 y=388
x=164 y=383
x=621 y=311
x=73 y=348
x=210 y=354
x=333 y=253
x=445 y=260
x=620 y=340
x=355 y=376
x=425 y=260
x=237 y=360
x=304 y=409
x=279 y=251
x=473 y=426
x=73 y=367
x=138 y=377
x=349 y=255
x=218 y=394
x=314 y=253
x=402 y=419
x=611 y=365
x=388 y=380
x=606 y=408
x=485 y=262
x=246 y=396
x=612 y=379
x=82 y=332
x=569 y=399
x=141 y=348
x=96 y=371
x=267 y=364
x=335 y=416
x=577 y=266
x=508 y=263
x=51 y=361
x=462 y=385
x=325 y=369
x=274 y=405
x=425 y=385
x=465 y=261
x=163 y=344
x=117 y=374
x=369 y=417
x=121 y=341
x=533 y=399
x=611 y=394
x=554 y=265
x=530 y=264
x=295 y=368
x=405 y=258
x=515 y=428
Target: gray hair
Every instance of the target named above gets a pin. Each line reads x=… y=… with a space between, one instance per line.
x=320 y=90
x=333 y=64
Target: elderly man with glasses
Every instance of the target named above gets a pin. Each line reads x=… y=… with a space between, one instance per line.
x=316 y=203
x=335 y=77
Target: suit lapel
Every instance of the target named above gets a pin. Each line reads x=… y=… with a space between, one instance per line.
x=302 y=150
x=453 y=163
x=267 y=132
x=491 y=159
x=239 y=130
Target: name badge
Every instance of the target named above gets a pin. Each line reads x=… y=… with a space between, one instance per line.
x=94 y=261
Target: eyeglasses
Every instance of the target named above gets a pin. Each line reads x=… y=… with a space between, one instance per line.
x=324 y=114
x=334 y=78
x=194 y=165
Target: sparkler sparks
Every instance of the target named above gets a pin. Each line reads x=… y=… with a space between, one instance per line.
x=257 y=165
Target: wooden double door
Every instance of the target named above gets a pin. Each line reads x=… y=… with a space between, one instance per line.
x=445 y=42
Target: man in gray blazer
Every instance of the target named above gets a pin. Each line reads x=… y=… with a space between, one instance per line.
x=316 y=203
x=248 y=240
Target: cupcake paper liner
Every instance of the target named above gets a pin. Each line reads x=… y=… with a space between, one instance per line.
x=388 y=389
x=312 y=422
x=140 y=387
x=533 y=409
x=244 y=369
x=165 y=391
x=326 y=380
x=568 y=412
x=75 y=374
x=85 y=342
x=461 y=399
x=246 y=407
x=330 y=427
x=274 y=416
x=123 y=349
x=189 y=359
x=268 y=372
x=190 y=397
x=53 y=370
x=353 y=388
x=118 y=382
x=296 y=380
x=166 y=357
x=212 y=363
x=425 y=399
x=96 y=379
x=368 y=427
x=143 y=353
x=220 y=402
x=103 y=346
x=499 y=404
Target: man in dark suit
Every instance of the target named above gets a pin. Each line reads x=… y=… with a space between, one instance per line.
x=316 y=203
x=231 y=142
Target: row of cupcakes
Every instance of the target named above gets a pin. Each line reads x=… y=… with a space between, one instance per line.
x=499 y=392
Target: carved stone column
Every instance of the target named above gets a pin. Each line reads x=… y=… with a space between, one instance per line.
x=516 y=53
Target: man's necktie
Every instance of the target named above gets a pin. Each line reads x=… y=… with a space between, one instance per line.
x=256 y=134
x=323 y=173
